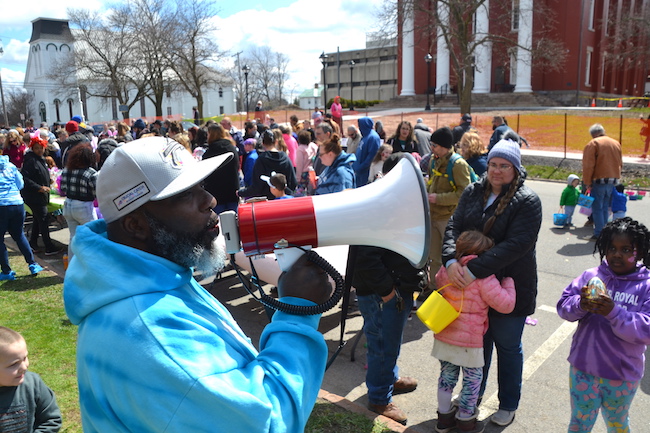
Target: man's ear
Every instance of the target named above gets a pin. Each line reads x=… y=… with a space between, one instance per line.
x=136 y=226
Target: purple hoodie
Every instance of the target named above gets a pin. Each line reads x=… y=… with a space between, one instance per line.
x=610 y=346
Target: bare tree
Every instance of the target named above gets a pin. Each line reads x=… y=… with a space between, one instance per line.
x=627 y=35
x=193 y=53
x=457 y=28
x=18 y=102
x=268 y=75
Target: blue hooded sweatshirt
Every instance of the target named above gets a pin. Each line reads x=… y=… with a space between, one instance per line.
x=368 y=148
x=338 y=176
x=157 y=353
x=11 y=182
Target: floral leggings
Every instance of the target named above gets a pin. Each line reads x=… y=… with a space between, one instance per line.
x=472 y=378
x=589 y=393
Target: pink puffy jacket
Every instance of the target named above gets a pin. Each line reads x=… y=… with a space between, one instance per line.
x=468 y=329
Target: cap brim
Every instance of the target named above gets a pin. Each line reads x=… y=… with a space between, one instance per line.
x=195 y=174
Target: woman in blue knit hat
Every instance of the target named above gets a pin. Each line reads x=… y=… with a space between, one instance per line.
x=501 y=206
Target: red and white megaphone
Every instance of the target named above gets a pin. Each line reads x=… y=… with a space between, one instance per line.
x=391 y=213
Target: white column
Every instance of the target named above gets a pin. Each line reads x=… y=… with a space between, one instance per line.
x=483 y=53
x=525 y=40
x=442 y=50
x=408 y=55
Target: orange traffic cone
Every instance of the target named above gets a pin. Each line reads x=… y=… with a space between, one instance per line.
x=620 y=103
x=593 y=102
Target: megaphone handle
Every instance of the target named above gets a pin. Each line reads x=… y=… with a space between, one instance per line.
x=288 y=256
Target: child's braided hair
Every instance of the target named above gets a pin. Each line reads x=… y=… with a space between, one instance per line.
x=637 y=232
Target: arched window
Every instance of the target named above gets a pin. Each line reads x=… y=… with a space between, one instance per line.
x=70 y=103
x=65 y=47
x=42 y=111
x=57 y=107
x=50 y=46
x=220 y=92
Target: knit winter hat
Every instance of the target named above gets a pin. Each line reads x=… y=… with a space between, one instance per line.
x=443 y=137
x=139 y=124
x=508 y=150
x=77 y=119
x=72 y=127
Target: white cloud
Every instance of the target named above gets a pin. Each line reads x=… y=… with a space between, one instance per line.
x=302 y=32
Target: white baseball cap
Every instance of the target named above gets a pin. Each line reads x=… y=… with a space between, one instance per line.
x=148 y=169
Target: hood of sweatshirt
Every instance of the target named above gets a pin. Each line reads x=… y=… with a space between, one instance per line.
x=365 y=125
x=571 y=178
x=103 y=271
x=4 y=160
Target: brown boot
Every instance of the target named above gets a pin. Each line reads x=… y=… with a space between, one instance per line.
x=404 y=385
x=471 y=425
x=390 y=411
x=446 y=421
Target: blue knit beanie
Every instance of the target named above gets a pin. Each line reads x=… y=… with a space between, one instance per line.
x=508 y=150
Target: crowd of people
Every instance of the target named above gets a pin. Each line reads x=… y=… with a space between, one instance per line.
x=158 y=191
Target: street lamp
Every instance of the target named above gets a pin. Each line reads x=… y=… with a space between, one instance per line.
x=323 y=60
x=428 y=59
x=351 y=63
x=2 y=94
x=246 y=70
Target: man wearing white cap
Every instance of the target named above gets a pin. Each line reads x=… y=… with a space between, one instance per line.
x=155 y=351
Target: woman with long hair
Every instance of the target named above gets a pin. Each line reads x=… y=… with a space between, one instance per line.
x=14 y=148
x=78 y=183
x=403 y=140
x=223 y=183
x=501 y=206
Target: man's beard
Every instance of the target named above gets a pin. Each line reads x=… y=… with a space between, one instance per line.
x=190 y=250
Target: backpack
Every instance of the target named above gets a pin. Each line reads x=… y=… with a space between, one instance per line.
x=449 y=173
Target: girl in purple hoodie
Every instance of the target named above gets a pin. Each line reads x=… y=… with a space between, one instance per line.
x=607 y=352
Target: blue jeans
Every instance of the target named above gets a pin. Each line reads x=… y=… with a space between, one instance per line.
x=383 y=326
x=505 y=332
x=12 y=219
x=602 y=195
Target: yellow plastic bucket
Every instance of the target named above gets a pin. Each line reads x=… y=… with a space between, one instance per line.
x=436 y=312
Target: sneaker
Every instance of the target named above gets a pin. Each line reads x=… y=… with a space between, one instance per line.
x=35 y=268
x=34 y=248
x=594 y=238
x=503 y=417
x=446 y=421
x=10 y=276
x=404 y=385
x=589 y=223
x=52 y=252
x=390 y=411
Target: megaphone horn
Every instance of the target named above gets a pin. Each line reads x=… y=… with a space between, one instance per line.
x=391 y=213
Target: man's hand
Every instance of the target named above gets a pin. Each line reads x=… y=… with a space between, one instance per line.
x=305 y=280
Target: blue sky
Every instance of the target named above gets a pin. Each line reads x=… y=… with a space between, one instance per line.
x=301 y=29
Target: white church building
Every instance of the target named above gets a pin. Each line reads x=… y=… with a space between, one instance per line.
x=53 y=40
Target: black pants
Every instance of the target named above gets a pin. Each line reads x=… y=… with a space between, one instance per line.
x=40 y=226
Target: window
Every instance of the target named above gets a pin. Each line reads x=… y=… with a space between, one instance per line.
x=70 y=106
x=42 y=111
x=57 y=106
x=602 y=70
x=515 y=15
x=590 y=52
x=220 y=92
x=143 y=112
x=592 y=13
x=221 y=110
x=169 y=111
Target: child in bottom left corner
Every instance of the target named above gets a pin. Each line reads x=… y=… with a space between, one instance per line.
x=27 y=404
x=607 y=352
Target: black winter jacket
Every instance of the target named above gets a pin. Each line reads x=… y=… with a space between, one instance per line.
x=514 y=233
x=223 y=183
x=268 y=162
x=36 y=175
x=377 y=270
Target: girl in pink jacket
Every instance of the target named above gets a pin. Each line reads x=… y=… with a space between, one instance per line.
x=461 y=343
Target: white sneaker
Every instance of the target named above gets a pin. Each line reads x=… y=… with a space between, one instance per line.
x=503 y=417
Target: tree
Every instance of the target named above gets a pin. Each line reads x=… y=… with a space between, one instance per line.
x=627 y=36
x=103 y=56
x=18 y=102
x=455 y=22
x=267 y=77
x=193 y=53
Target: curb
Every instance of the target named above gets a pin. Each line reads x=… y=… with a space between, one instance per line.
x=358 y=409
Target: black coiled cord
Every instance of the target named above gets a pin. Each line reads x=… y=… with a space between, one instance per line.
x=300 y=310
